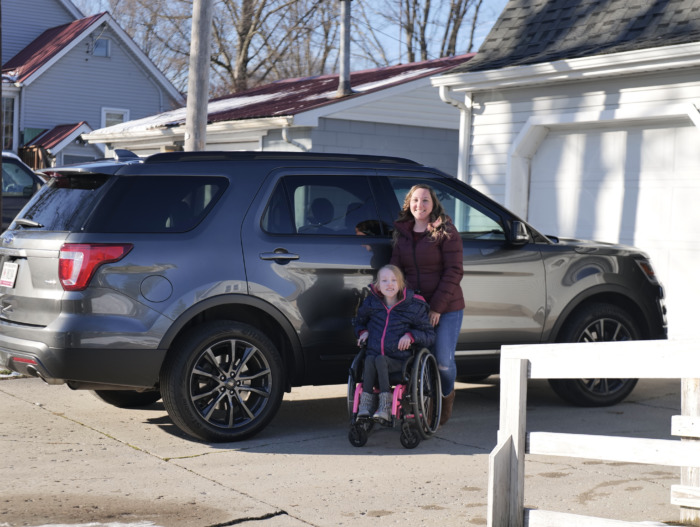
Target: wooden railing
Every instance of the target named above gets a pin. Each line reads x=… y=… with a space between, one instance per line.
x=653 y=359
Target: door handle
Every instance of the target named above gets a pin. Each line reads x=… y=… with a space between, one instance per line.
x=282 y=255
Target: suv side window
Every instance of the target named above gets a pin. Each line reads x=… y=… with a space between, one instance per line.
x=182 y=202
x=471 y=219
x=338 y=205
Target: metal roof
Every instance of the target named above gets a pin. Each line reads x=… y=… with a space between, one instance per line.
x=45 y=47
x=56 y=135
x=293 y=96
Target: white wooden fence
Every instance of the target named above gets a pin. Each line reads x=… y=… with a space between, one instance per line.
x=652 y=359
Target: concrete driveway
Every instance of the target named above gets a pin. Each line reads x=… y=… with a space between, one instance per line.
x=69 y=458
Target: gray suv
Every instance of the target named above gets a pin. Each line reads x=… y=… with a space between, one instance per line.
x=221 y=280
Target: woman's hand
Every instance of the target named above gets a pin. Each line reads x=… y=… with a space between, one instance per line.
x=362 y=338
x=434 y=318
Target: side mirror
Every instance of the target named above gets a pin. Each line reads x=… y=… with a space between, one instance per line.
x=518 y=233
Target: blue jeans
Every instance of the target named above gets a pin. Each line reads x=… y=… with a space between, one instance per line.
x=446 y=335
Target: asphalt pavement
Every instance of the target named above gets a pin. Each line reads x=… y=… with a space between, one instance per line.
x=68 y=458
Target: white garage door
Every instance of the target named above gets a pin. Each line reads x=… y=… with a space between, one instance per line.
x=634 y=185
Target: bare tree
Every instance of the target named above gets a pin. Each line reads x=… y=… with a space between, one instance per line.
x=259 y=41
x=269 y=37
x=428 y=28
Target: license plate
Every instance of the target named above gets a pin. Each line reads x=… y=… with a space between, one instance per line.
x=9 y=274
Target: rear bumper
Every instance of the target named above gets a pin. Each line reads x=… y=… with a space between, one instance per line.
x=137 y=368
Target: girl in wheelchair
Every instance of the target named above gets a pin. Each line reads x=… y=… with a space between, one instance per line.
x=391 y=322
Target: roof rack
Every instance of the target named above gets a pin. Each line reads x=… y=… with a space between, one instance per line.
x=178 y=157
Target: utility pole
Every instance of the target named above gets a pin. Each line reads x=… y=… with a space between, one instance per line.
x=344 y=78
x=198 y=82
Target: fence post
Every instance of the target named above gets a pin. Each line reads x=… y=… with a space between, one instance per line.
x=690 y=476
x=507 y=462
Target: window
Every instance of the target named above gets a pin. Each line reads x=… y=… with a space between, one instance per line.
x=342 y=205
x=101 y=47
x=16 y=179
x=102 y=203
x=113 y=116
x=8 y=122
x=472 y=220
x=182 y=203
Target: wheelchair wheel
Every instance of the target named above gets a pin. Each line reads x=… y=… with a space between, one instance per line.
x=357 y=435
x=426 y=393
x=409 y=437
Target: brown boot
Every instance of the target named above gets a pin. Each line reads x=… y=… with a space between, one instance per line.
x=447 y=403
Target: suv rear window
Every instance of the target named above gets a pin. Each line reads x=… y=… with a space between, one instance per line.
x=131 y=204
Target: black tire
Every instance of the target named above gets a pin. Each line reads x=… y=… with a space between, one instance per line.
x=409 y=437
x=426 y=394
x=127 y=398
x=223 y=381
x=597 y=323
x=357 y=436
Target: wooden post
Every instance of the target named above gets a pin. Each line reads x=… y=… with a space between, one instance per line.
x=198 y=82
x=690 y=476
x=507 y=462
x=344 y=88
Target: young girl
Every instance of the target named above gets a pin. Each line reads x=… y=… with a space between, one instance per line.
x=389 y=320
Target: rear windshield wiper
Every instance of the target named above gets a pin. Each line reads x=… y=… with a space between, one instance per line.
x=28 y=223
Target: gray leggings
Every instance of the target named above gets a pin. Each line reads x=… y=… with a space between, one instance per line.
x=377 y=369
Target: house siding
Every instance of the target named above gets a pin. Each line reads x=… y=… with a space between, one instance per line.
x=431 y=146
x=19 y=29
x=500 y=115
x=112 y=83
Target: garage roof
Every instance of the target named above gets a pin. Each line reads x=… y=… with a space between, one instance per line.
x=537 y=31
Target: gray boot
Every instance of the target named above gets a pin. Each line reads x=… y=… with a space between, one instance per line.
x=368 y=403
x=383 y=413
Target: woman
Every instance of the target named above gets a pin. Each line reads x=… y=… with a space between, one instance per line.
x=428 y=248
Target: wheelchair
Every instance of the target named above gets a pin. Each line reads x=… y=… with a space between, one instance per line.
x=416 y=400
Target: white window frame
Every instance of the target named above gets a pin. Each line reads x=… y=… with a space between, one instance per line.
x=106 y=110
x=108 y=48
x=14 y=95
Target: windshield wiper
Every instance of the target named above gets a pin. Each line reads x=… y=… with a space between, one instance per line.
x=28 y=223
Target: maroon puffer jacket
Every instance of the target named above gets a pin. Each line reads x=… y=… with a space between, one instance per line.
x=433 y=268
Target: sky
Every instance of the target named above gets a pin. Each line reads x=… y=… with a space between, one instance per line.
x=490 y=10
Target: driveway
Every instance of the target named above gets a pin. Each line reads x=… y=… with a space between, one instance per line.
x=69 y=458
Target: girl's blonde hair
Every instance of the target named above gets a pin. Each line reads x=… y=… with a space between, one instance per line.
x=401 y=281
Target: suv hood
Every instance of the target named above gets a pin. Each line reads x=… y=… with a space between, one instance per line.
x=592 y=246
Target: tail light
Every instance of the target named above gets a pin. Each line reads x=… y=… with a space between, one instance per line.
x=77 y=262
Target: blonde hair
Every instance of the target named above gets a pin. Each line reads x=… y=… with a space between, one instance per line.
x=401 y=281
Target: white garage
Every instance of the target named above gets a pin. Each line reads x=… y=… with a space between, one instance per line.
x=631 y=183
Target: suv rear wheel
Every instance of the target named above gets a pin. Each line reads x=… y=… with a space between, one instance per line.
x=597 y=323
x=222 y=381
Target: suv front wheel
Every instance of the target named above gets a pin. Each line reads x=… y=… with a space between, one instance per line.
x=597 y=323
x=222 y=381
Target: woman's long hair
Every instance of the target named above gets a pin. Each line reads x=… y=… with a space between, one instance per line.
x=437 y=229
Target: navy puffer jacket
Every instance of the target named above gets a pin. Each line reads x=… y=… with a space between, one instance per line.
x=386 y=325
x=432 y=267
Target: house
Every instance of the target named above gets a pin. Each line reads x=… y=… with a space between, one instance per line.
x=582 y=116
x=64 y=74
x=392 y=111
